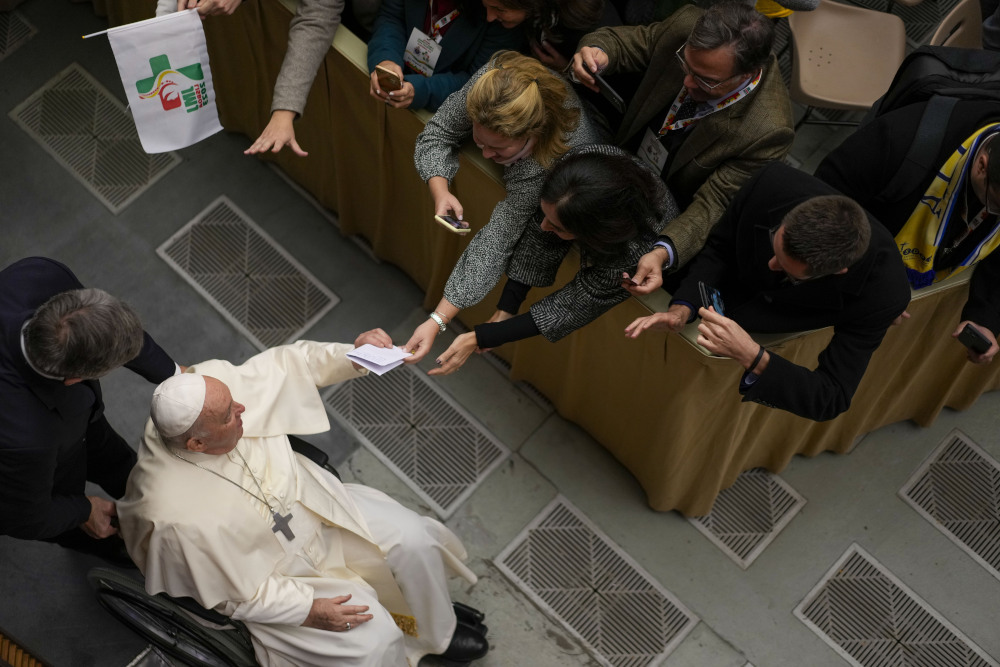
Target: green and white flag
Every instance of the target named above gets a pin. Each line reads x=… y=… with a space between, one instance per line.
x=163 y=63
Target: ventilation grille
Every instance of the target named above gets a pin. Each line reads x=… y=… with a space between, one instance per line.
x=91 y=134
x=872 y=619
x=749 y=514
x=428 y=440
x=576 y=573
x=246 y=276
x=957 y=489
x=15 y=30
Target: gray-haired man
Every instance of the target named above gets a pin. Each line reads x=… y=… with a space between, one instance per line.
x=57 y=340
x=710 y=110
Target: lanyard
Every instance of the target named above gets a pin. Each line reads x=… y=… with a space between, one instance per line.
x=441 y=22
x=670 y=124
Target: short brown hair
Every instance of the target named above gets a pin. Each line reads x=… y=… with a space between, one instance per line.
x=827 y=233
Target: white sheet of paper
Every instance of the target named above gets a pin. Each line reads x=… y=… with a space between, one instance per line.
x=378 y=360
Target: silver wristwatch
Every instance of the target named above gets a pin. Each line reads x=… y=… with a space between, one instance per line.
x=439 y=321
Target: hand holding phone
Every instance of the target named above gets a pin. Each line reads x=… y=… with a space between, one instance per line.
x=973 y=339
x=609 y=93
x=388 y=80
x=711 y=298
x=452 y=224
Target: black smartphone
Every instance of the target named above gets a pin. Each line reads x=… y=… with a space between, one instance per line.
x=973 y=339
x=711 y=297
x=452 y=224
x=609 y=93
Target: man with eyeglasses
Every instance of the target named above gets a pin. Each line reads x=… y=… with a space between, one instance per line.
x=710 y=110
x=943 y=214
x=792 y=254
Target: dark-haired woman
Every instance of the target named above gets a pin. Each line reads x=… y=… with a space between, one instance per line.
x=609 y=204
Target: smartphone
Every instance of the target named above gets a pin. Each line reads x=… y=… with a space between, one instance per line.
x=971 y=338
x=711 y=297
x=452 y=224
x=628 y=280
x=387 y=79
x=609 y=93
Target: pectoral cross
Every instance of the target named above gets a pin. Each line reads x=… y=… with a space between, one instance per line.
x=281 y=523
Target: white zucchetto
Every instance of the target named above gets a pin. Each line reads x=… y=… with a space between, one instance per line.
x=177 y=402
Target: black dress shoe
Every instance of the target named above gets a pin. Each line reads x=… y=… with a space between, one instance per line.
x=466 y=645
x=468 y=615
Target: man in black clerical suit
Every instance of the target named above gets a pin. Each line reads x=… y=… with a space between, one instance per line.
x=792 y=254
x=56 y=340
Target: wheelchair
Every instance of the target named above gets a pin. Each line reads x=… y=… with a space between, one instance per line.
x=180 y=627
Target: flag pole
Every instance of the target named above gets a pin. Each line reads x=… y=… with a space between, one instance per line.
x=95 y=34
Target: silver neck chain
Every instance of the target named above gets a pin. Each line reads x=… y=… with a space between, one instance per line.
x=262 y=497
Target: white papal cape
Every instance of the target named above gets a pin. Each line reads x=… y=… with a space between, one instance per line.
x=194 y=534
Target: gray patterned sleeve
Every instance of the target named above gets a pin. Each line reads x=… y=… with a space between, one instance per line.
x=485 y=258
x=595 y=289
x=436 y=152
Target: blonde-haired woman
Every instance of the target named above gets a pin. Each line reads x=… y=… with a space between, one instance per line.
x=521 y=115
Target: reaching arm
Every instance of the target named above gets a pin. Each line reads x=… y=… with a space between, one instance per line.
x=827 y=391
x=485 y=259
x=436 y=150
x=153 y=363
x=690 y=229
x=309 y=37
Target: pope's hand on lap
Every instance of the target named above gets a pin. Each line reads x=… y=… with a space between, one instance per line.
x=334 y=615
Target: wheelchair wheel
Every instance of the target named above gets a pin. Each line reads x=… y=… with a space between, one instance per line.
x=167 y=625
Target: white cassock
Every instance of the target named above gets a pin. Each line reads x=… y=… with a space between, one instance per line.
x=194 y=534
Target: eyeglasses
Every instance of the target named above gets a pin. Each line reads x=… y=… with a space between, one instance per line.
x=705 y=84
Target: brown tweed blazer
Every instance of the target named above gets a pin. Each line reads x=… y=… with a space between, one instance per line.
x=724 y=148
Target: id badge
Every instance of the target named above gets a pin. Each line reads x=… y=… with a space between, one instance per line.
x=652 y=151
x=422 y=53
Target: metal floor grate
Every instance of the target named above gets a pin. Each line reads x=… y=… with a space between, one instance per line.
x=15 y=30
x=957 y=489
x=872 y=619
x=749 y=514
x=428 y=440
x=249 y=278
x=89 y=132
x=570 y=568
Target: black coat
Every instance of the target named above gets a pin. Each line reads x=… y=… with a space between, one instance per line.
x=42 y=421
x=862 y=166
x=860 y=304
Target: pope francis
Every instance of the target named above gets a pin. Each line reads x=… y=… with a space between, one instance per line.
x=219 y=508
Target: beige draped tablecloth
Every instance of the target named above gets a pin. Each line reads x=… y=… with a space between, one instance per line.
x=667 y=410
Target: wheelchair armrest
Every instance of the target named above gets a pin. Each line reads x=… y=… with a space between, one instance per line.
x=190 y=605
x=313 y=453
